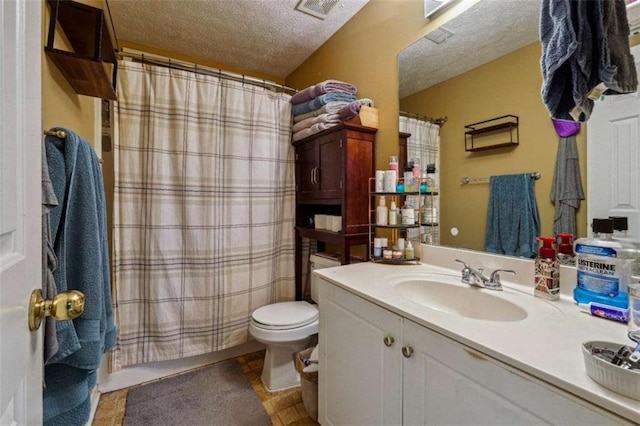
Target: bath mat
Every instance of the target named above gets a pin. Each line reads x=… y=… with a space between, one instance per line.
x=215 y=395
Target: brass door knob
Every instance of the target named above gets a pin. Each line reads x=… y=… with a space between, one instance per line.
x=65 y=306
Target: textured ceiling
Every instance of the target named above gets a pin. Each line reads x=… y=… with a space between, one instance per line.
x=487 y=31
x=267 y=36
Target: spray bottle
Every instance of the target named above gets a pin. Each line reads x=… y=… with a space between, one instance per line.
x=547 y=271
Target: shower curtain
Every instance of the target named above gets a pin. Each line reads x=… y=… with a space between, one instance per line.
x=424 y=144
x=203 y=211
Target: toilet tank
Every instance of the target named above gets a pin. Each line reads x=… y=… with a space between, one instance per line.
x=323 y=260
x=319 y=261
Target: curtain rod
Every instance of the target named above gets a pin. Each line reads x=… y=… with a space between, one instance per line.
x=201 y=69
x=466 y=180
x=439 y=121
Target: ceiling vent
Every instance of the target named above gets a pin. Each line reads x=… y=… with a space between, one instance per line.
x=439 y=35
x=433 y=7
x=317 y=8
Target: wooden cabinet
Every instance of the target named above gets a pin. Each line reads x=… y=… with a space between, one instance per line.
x=333 y=168
x=380 y=368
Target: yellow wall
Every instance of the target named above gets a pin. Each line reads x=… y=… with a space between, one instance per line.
x=61 y=106
x=364 y=53
x=508 y=85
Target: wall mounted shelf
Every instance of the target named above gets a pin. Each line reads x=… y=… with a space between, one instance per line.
x=88 y=67
x=493 y=129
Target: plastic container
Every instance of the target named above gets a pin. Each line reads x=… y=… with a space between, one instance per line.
x=393 y=214
x=393 y=163
x=602 y=276
x=308 y=385
x=382 y=212
x=618 y=379
x=547 y=271
x=632 y=251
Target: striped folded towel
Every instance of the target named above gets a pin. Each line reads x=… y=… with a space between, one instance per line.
x=327 y=86
x=322 y=118
x=316 y=128
x=321 y=100
x=329 y=108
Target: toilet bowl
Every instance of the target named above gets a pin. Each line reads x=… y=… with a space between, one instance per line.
x=285 y=328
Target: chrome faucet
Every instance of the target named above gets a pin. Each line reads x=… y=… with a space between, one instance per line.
x=476 y=277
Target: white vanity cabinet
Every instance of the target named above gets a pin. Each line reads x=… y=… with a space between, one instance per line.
x=423 y=377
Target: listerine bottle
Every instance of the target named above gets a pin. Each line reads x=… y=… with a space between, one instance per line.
x=603 y=276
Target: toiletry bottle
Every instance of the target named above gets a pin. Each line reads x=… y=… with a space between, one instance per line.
x=424 y=188
x=566 y=256
x=408 y=214
x=382 y=213
x=393 y=163
x=547 y=271
x=416 y=173
x=408 y=178
x=377 y=247
x=602 y=276
x=408 y=251
x=632 y=249
x=393 y=214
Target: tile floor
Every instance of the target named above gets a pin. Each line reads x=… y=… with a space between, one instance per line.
x=284 y=407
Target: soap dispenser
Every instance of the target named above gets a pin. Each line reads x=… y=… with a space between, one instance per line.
x=566 y=255
x=547 y=271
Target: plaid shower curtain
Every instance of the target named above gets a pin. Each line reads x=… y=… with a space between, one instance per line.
x=424 y=144
x=203 y=211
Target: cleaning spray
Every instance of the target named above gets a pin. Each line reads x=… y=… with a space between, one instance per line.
x=547 y=271
x=602 y=275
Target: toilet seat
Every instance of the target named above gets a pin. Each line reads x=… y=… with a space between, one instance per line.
x=284 y=315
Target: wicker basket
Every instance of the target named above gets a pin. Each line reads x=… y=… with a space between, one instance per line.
x=311 y=377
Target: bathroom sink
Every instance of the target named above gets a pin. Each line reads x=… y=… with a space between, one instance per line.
x=465 y=301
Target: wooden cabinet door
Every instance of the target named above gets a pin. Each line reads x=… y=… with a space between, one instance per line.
x=448 y=383
x=306 y=169
x=360 y=377
x=331 y=166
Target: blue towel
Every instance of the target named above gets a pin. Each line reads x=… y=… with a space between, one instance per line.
x=513 y=222
x=321 y=100
x=78 y=226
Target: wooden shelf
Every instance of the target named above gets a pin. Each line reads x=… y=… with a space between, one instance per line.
x=89 y=66
x=494 y=126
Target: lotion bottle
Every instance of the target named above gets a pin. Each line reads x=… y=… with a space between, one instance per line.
x=393 y=214
x=382 y=212
x=547 y=271
x=409 y=253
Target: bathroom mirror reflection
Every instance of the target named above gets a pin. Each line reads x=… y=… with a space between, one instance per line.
x=482 y=64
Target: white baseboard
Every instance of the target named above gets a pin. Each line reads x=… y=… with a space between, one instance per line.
x=142 y=373
x=95 y=398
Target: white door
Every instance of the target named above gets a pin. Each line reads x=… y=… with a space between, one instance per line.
x=613 y=158
x=20 y=210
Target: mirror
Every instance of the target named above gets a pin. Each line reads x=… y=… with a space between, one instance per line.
x=483 y=64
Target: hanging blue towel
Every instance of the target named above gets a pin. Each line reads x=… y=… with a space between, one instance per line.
x=78 y=225
x=513 y=222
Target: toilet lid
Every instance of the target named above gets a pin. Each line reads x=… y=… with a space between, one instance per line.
x=285 y=315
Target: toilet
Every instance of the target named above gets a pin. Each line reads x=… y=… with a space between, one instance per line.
x=285 y=328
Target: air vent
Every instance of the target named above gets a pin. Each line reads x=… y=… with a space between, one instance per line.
x=439 y=35
x=433 y=7
x=317 y=8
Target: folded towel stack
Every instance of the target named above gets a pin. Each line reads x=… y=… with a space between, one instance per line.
x=318 y=107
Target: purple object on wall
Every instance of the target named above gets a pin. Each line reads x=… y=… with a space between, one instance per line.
x=565 y=128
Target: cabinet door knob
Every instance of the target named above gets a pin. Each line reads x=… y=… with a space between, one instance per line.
x=407 y=351
x=388 y=340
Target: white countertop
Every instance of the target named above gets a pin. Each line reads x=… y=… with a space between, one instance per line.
x=546 y=344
